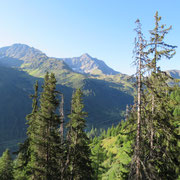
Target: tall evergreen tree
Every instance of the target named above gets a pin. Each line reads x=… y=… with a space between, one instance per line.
x=6 y=166
x=158 y=49
x=162 y=160
x=20 y=168
x=44 y=135
x=79 y=152
x=31 y=117
x=23 y=162
x=139 y=60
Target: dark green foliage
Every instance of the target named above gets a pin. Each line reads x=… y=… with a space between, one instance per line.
x=79 y=151
x=6 y=166
x=20 y=168
x=43 y=132
x=162 y=161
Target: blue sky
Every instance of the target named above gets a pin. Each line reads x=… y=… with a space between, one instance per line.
x=101 y=28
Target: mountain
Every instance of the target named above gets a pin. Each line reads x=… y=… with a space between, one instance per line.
x=105 y=96
x=87 y=64
x=68 y=70
x=83 y=64
x=174 y=73
x=36 y=63
x=22 y=52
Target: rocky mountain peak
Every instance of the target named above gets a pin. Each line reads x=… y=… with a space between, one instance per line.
x=21 y=51
x=85 y=55
x=87 y=64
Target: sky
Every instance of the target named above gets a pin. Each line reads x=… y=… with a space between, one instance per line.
x=102 y=28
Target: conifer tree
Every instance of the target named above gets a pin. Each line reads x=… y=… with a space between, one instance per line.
x=29 y=152
x=97 y=157
x=6 y=166
x=24 y=160
x=140 y=61
x=31 y=117
x=20 y=168
x=44 y=135
x=158 y=50
x=79 y=152
x=161 y=161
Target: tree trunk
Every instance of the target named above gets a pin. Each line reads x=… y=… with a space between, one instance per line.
x=61 y=111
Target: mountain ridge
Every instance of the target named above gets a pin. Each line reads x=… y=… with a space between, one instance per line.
x=84 y=64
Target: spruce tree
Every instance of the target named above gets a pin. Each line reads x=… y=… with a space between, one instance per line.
x=20 y=168
x=158 y=50
x=32 y=125
x=44 y=136
x=23 y=163
x=162 y=160
x=97 y=157
x=6 y=166
x=31 y=117
x=79 y=152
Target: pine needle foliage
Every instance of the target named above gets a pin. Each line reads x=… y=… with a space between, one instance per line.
x=43 y=132
x=78 y=142
x=6 y=166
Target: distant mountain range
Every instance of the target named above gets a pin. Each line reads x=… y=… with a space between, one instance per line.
x=84 y=64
